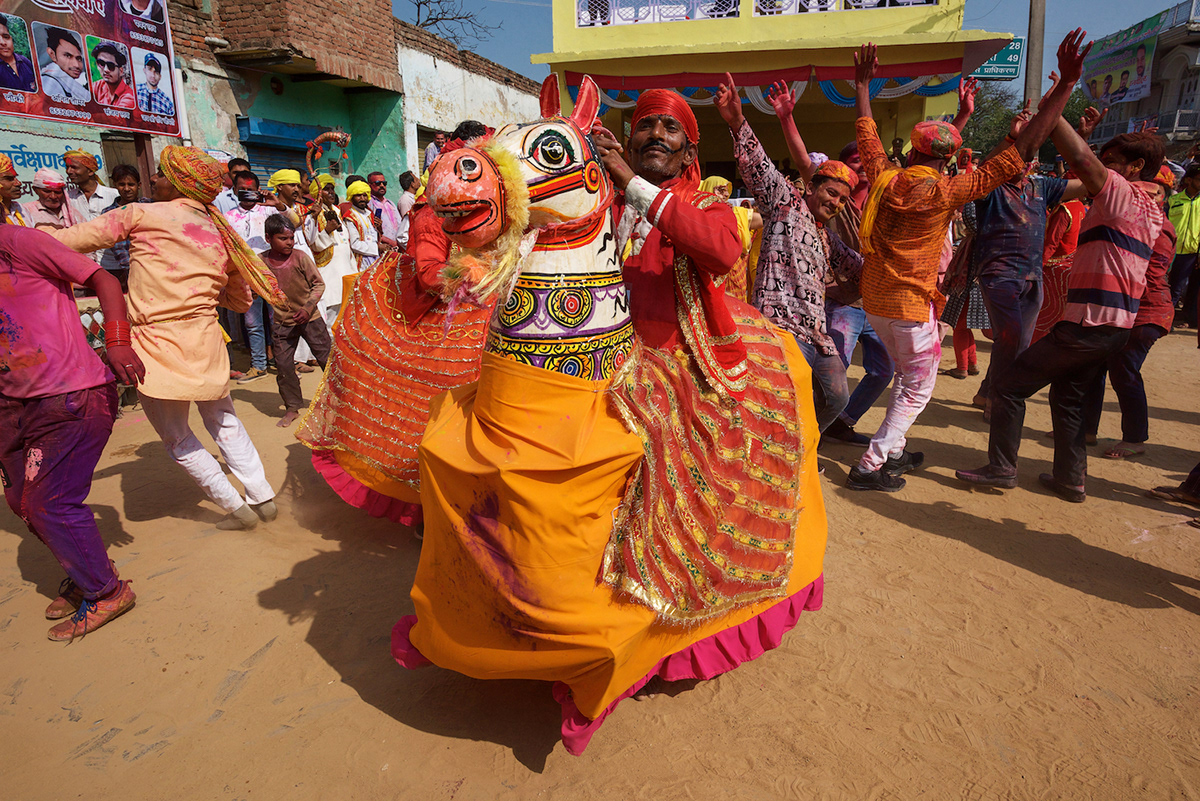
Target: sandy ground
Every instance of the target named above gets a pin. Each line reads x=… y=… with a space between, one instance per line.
x=972 y=645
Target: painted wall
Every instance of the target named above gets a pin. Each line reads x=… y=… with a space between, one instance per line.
x=439 y=95
x=747 y=32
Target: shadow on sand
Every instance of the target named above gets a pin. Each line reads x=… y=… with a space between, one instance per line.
x=352 y=596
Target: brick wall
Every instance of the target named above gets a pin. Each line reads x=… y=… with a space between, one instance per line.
x=338 y=34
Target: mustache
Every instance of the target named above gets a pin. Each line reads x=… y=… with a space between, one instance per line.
x=659 y=143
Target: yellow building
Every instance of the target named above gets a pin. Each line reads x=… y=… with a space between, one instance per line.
x=631 y=45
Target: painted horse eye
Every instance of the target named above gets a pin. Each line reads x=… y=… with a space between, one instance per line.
x=552 y=151
x=468 y=168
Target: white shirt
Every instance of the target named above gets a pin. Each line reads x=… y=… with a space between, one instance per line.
x=366 y=247
x=404 y=206
x=249 y=225
x=342 y=262
x=226 y=201
x=58 y=84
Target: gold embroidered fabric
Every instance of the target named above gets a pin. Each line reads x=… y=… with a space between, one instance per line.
x=384 y=369
x=708 y=521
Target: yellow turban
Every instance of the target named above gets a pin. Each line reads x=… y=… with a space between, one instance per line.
x=319 y=183
x=6 y=166
x=82 y=157
x=284 y=177
x=711 y=183
x=198 y=176
x=357 y=188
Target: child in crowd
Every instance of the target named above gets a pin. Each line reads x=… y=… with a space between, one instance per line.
x=301 y=282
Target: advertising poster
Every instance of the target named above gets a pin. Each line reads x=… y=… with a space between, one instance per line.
x=1118 y=68
x=92 y=62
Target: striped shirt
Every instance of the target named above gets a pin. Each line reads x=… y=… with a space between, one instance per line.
x=1116 y=242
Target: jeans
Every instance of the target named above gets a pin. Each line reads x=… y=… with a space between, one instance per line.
x=49 y=448
x=1013 y=305
x=829 y=384
x=1068 y=359
x=1191 y=484
x=847 y=327
x=256 y=333
x=285 y=338
x=915 y=349
x=170 y=421
x=1124 y=370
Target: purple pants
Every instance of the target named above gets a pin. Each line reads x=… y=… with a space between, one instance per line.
x=49 y=448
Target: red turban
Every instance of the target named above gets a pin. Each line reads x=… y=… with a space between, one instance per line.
x=6 y=166
x=1165 y=178
x=654 y=102
x=838 y=171
x=936 y=138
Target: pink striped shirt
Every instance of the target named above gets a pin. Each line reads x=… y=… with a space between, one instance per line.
x=1116 y=242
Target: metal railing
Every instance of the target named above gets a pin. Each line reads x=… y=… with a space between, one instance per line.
x=1182 y=119
x=595 y=13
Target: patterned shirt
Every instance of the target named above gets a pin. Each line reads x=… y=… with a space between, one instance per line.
x=798 y=253
x=153 y=100
x=900 y=278
x=1115 y=245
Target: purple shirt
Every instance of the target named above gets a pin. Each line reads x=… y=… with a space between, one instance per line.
x=43 y=347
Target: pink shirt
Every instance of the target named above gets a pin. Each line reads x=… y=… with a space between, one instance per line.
x=1116 y=242
x=43 y=347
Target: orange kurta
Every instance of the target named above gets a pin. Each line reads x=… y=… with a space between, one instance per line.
x=521 y=476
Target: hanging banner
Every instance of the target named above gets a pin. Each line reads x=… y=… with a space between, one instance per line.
x=107 y=63
x=1118 y=68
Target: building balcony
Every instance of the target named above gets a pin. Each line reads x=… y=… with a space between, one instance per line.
x=596 y=13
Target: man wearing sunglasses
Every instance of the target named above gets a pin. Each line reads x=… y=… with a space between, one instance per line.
x=384 y=211
x=111 y=89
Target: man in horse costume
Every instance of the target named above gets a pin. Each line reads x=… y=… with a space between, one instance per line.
x=629 y=491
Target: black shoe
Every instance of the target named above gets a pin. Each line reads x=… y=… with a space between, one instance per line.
x=844 y=433
x=899 y=465
x=1064 y=491
x=987 y=476
x=862 y=480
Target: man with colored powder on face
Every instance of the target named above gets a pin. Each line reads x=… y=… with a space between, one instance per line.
x=58 y=401
x=10 y=192
x=184 y=260
x=87 y=196
x=666 y=224
x=285 y=184
x=798 y=251
x=50 y=211
x=904 y=226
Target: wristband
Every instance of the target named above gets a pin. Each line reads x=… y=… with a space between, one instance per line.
x=117 y=333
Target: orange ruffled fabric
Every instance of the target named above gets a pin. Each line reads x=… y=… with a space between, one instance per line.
x=521 y=476
x=384 y=369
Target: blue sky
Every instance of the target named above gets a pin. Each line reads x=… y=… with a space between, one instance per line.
x=527 y=26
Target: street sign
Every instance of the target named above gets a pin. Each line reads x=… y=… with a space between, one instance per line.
x=1005 y=65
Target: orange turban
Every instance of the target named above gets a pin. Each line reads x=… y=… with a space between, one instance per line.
x=6 y=166
x=82 y=157
x=197 y=176
x=838 y=171
x=935 y=138
x=1165 y=177
x=654 y=102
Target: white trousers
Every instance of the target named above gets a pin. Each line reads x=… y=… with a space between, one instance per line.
x=916 y=350
x=170 y=420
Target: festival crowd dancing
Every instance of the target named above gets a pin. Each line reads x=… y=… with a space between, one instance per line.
x=596 y=383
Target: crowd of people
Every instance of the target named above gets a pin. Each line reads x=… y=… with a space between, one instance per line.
x=1074 y=277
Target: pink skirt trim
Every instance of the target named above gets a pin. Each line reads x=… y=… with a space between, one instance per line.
x=710 y=657
x=360 y=496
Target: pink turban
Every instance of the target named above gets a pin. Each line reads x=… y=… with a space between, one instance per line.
x=46 y=178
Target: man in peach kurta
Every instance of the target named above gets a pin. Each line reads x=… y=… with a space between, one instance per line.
x=183 y=264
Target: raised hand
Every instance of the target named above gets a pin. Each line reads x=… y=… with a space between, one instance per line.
x=1054 y=81
x=866 y=62
x=1088 y=122
x=966 y=94
x=610 y=150
x=781 y=99
x=1070 y=57
x=729 y=104
x=1021 y=120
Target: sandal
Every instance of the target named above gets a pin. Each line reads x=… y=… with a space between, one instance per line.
x=1124 y=450
x=1194 y=522
x=1173 y=494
